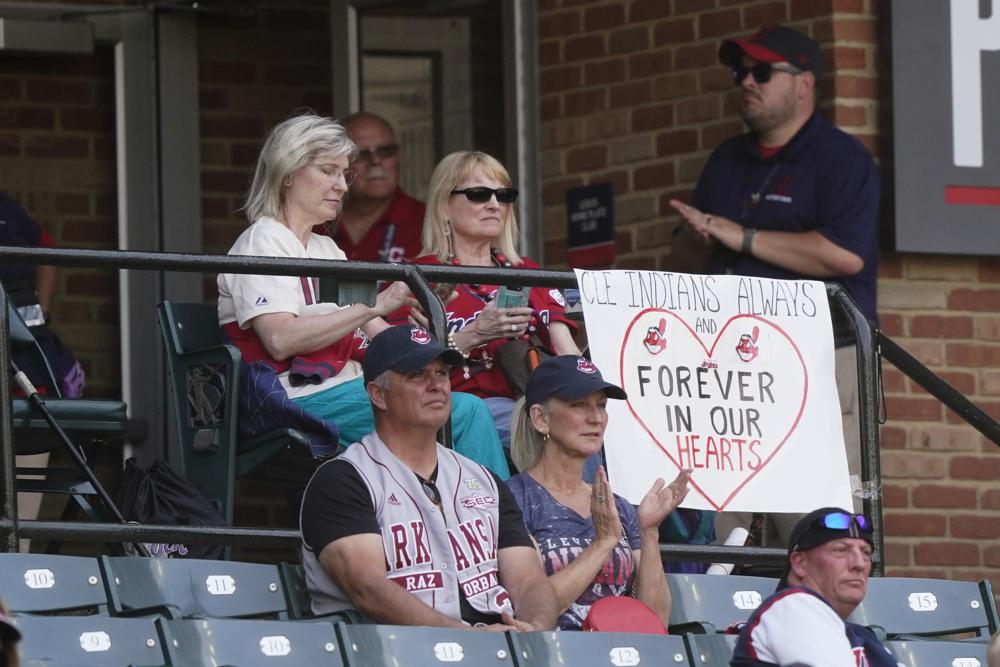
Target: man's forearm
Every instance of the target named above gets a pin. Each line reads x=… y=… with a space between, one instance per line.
x=387 y=602
x=534 y=602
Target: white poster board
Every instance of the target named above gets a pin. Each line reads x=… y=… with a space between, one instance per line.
x=728 y=375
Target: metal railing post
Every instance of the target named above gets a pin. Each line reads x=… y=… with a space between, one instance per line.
x=8 y=463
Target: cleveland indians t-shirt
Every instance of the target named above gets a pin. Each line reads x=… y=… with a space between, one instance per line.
x=561 y=534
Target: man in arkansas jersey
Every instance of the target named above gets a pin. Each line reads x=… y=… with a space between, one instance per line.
x=805 y=621
x=407 y=531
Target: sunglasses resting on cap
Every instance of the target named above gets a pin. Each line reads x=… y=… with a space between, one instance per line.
x=481 y=195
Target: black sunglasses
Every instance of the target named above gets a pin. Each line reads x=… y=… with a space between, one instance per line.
x=384 y=152
x=761 y=72
x=843 y=521
x=481 y=195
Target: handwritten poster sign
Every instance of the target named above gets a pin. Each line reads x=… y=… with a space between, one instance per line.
x=731 y=376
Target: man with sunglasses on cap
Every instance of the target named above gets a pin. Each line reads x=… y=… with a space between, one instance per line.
x=409 y=532
x=805 y=621
x=379 y=221
x=793 y=198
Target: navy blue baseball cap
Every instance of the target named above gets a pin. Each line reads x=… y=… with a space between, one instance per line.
x=827 y=524
x=774 y=44
x=406 y=349
x=568 y=377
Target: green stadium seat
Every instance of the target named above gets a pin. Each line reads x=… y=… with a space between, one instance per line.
x=83 y=420
x=41 y=583
x=185 y=588
x=204 y=381
x=380 y=645
x=596 y=649
x=85 y=641
x=926 y=653
x=710 y=650
x=896 y=607
x=249 y=643
x=705 y=603
x=299 y=605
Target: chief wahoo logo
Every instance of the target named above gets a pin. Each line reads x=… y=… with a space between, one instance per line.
x=655 y=341
x=747 y=349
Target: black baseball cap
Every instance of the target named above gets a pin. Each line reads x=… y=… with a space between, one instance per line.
x=774 y=44
x=406 y=349
x=568 y=377
x=826 y=524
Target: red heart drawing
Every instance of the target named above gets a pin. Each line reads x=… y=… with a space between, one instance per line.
x=760 y=388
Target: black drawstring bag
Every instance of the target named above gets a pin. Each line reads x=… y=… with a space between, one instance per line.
x=158 y=495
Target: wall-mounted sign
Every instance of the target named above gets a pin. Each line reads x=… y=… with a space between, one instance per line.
x=590 y=224
x=946 y=102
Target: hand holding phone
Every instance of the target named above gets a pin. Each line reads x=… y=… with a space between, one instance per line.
x=512 y=297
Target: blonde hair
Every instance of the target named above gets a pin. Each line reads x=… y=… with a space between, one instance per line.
x=291 y=145
x=448 y=173
x=526 y=443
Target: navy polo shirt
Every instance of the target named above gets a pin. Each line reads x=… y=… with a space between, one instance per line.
x=822 y=180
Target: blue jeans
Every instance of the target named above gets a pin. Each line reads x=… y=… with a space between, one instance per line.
x=474 y=435
x=501 y=409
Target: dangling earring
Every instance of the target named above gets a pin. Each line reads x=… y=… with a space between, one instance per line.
x=288 y=182
x=447 y=227
x=545 y=436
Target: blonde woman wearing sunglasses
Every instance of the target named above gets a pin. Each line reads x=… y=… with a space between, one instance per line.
x=471 y=221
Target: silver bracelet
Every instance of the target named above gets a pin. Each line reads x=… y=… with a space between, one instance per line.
x=748 y=234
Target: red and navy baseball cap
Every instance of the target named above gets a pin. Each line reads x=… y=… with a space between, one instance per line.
x=774 y=44
x=406 y=349
x=568 y=377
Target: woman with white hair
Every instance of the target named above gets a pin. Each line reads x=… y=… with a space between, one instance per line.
x=471 y=221
x=300 y=181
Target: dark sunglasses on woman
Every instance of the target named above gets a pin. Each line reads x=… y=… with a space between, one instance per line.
x=761 y=72
x=384 y=152
x=481 y=195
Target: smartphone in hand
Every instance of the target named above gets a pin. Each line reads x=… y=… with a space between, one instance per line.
x=512 y=297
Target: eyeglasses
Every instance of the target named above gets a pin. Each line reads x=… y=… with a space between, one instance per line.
x=481 y=195
x=384 y=152
x=843 y=521
x=761 y=72
x=335 y=172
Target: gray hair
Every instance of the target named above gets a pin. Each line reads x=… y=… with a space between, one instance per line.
x=449 y=172
x=526 y=443
x=291 y=145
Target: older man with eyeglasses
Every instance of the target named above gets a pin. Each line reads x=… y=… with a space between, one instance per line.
x=793 y=198
x=805 y=621
x=409 y=532
x=380 y=222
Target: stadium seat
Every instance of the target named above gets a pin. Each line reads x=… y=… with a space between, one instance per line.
x=299 y=606
x=380 y=645
x=83 y=420
x=184 y=588
x=926 y=653
x=897 y=607
x=84 y=641
x=249 y=643
x=711 y=603
x=204 y=381
x=40 y=583
x=710 y=650
x=595 y=649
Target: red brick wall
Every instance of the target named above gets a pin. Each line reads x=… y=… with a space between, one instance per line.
x=631 y=93
x=57 y=158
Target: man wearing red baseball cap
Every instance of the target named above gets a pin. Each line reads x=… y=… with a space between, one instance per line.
x=793 y=198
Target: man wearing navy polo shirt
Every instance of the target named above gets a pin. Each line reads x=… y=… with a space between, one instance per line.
x=792 y=198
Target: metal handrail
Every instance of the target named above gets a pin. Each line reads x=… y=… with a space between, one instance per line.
x=418 y=278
